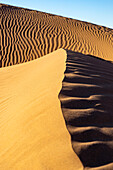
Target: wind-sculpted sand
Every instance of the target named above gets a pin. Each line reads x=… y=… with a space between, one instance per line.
x=56 y=112
x=87 y=105
x=33 y=134
x=27 y=35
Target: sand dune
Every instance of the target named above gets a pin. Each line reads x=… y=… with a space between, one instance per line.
x=27 y=35
x=87 y=104
x=33 y=134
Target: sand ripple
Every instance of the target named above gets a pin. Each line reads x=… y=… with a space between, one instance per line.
x=86 y=101
x=27 y=35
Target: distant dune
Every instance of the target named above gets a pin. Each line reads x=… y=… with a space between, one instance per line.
x=56 y=112
x=28 y=34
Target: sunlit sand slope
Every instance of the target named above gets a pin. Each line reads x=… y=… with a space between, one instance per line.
x=33 y=135
x=28 y=34
x=87 y=105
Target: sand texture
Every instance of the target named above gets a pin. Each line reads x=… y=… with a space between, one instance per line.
x=56 y=111
x=87 y=105
x=33 y=135
x=27 y=35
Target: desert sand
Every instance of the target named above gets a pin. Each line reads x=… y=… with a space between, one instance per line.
x=87 y=105
x=28 y=34
x=56 y=92
x=33 y=134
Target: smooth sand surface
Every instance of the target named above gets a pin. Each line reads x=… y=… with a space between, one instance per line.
x=28 y=34
x=87 y=105
x=33 y=135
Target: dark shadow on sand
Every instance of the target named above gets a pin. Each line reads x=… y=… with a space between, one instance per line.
x=87 y=105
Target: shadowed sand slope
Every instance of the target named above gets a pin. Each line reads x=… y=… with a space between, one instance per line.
x=29 y=34
x=33 y=135
x=87 y=105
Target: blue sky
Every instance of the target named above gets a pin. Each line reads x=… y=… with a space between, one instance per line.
x=95 y=11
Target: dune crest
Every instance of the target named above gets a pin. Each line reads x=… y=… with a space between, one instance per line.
x=33 y=133
x=29 y=34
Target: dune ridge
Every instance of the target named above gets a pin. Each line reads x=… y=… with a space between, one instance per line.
x=86 y=101
x=33 y=134
x=29 y=34
x=32 y=122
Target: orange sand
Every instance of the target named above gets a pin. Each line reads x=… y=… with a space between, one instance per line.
x=35 y=127
x=33 y=133
x=28 y=34
x=86 y=100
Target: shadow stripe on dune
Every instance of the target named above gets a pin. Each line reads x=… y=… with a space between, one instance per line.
x=86 y=102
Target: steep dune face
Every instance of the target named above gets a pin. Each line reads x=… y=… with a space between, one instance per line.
x=27 y=35
x=32 y=129
x=87 y=105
